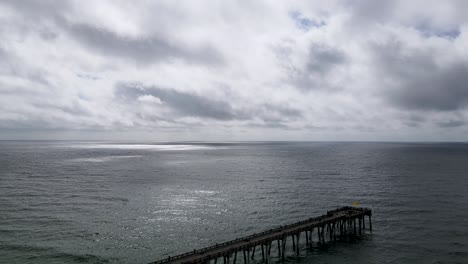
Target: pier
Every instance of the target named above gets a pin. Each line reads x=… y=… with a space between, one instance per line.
x=342 y=223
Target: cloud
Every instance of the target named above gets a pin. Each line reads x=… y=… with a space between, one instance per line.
x=391 y=70
x=452 y=123
x=38 y=10
x=428 y=32
x=187 y=104
x=321 y=60
x=144 y=50
x=418 y=82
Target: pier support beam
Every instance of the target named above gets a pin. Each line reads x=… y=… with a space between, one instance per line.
x=360 y=226
x=279 y=248
x=268 y=251
x=283 y=247
x=297 y=243
x=354 y=223
x=226 y=259
x=319 y=234
x=263 y=252
x=311 y=237
x=323 y=233
x=334 y=231
x=294 y=243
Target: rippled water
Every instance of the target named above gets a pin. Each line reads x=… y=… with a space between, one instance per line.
x=98 y=202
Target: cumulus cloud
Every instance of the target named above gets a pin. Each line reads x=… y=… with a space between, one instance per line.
x=340 y=70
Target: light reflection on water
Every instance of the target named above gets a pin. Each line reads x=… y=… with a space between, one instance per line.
x=159 y=147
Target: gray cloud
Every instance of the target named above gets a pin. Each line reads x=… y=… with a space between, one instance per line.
x=414 y=120
x=418 y=82
x=321 y=61
x=45 y=9
x=188 y=104
x=4 y=59
x=427 y=31
x=268 y=124
x=72 y=108
x=365 y=11
x=452 y=123
x=283 y=111
x=11 y=65
x=142 y=50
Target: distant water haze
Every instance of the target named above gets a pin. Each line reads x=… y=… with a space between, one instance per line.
x=123 y=202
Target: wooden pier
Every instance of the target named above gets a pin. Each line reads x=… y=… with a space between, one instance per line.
x=341 y=223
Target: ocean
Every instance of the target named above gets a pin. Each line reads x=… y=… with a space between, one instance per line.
x=126 y=202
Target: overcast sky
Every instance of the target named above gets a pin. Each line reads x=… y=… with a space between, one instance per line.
x=234 y=70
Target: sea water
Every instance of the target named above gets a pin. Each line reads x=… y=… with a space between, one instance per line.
x=127 y=202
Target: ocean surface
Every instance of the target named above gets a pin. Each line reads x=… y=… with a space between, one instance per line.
x=104 y=202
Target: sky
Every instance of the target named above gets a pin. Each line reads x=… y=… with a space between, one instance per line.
x=349 y=70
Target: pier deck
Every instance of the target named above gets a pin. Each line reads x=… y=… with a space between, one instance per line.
x=340 y=222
